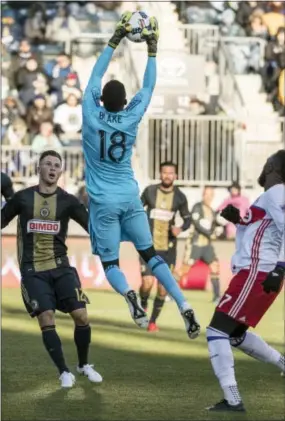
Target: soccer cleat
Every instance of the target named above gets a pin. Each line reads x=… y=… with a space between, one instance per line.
x=138 y=314
x=152 y=327
x=191 y=324
x=67 y=380
x=88 y=371
x=225 y=406
x=282 y=374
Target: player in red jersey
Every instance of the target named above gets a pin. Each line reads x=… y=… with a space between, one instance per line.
x=259 y=268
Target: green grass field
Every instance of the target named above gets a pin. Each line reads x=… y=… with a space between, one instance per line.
x=161 y=376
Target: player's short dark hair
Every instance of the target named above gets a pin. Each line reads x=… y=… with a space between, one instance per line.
x=168 y=164
x=114 y=96
x=50 y=153
x=280 y=157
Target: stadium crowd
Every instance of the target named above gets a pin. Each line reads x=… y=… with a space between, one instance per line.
x=252 y=19
x=41 y=92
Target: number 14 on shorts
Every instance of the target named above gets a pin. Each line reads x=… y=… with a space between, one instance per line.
x=81 y=296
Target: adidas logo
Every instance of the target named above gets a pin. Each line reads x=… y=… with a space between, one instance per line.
x=45 y=203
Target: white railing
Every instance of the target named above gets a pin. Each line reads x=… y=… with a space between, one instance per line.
x=230 y=97
x=207 y=150
x=201 y=39
x=22 y=164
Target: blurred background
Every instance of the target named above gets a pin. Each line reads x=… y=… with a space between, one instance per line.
x=217 y=110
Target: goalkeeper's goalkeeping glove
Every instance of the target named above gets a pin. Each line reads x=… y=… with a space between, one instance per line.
x=122 y=29
x=151 y=37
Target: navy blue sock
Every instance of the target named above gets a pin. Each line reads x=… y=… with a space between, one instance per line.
x=82 y=339
x=52 y=344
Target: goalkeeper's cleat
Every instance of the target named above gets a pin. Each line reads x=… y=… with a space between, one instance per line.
x=138 y=314
x=88 y=371
x=225 y=406
x=152 y=327
x=67 y=380
x=191 y=324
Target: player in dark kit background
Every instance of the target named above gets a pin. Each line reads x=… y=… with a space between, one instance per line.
x=162 y=202
x=7 y=190
x=48 y=282
x=199 y=245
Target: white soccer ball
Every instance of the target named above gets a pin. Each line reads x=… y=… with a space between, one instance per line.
x=139 y=21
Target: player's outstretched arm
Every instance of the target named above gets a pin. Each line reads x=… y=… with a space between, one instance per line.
x=101 y=66
x=141 y=101
x=10 y=210
x=151 y=37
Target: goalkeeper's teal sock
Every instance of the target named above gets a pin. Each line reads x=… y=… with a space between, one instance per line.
x=117 y=279
x=162 y=272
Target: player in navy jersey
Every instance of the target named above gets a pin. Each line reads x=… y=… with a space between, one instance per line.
x=116 y=212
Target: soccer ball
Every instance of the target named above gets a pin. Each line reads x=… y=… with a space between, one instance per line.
x=139 y=21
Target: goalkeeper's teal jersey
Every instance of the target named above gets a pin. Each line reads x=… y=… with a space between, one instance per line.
x=108 y=138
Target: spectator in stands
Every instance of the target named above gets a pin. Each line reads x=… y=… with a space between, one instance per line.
x=46 y=139
x=256 y=26
x=239 y=201
x=228 y=25
x=38 y=113
x=12 y=108
x=5 y=67
x=19 y=60
x=62 y=27
x=31 y=81
x=70 y=86
x=68 y=116
x=5 y=62
x=245 y=10
x=35 y=25
x=274 y=63
x=11 y=31
x=58 y=70
x=197 y=107
x=274 y=17
x=281 y=93
x=200 y=12
x=108 y=5
x=17 y=134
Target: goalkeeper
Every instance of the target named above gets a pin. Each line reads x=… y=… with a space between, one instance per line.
x=115 y=209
